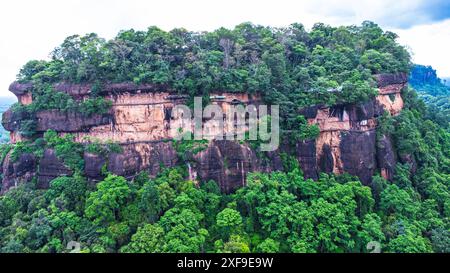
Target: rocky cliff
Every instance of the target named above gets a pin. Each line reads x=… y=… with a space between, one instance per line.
x=139 y=121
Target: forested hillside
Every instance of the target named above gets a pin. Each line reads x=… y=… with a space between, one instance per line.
x=433 y=91
x=276 y=212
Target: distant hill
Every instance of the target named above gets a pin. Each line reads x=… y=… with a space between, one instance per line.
x=434 y=91
x=5 y=103
x=424 y=78
x=446 y=81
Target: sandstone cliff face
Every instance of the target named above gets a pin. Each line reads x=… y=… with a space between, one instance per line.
x=228 y=163
x=386 y=158
x=140 y=119
x=50 y=167
x=390 y=87
x=347 y=140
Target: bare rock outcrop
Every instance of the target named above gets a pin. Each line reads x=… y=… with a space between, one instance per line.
x=387 y=79
x=228 y=162
x=358 y=154
x=386 y=157
x=17 y=171
x=51 y=167
x=307 y=157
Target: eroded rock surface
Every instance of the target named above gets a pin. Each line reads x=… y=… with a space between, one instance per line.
x=51 y=167
x=17 y=171
x=386 y=157
x=140 y=119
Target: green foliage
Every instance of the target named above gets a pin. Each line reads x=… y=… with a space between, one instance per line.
x=371 y=230
x=412 y=208
x=301 y=130
x=236 y=244
x=19 y=149
x=68 y=192
x=434 y=92
x=148 y=239
x=424 y=78
x=4 y=150
x=46 y=98
x=71 y=153
x=99 y=148
x=269 y=204
x=169 y=214
x=183 y=231
x=27 y=124
x=27 y=127
x=398 y=201
x=66 y=149
x=30 y=69
x=410 y=242
x=111 y=196
x=268 y=246
x=290 y=163
x=229 y=221
x=385 y=125
x=187 y=148
x=92 y=106
x=441 y=240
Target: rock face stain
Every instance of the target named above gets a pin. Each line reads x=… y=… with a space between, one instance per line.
x=393 y=103
x=144 y=117
x=390 y=87
x=26 y=99
x=140 y=119
x=386 y=157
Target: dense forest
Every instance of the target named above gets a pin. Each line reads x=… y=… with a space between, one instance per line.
x=276 y=212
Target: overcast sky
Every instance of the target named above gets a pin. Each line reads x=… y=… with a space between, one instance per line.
x=31 y=29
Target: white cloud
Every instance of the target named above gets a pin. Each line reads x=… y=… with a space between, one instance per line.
x=430 y=45
x=392 y=14
x=31 y=29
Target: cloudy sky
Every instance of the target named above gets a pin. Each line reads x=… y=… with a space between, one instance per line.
x=30 y=29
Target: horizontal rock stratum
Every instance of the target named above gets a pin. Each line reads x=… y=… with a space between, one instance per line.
x=139 y=121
